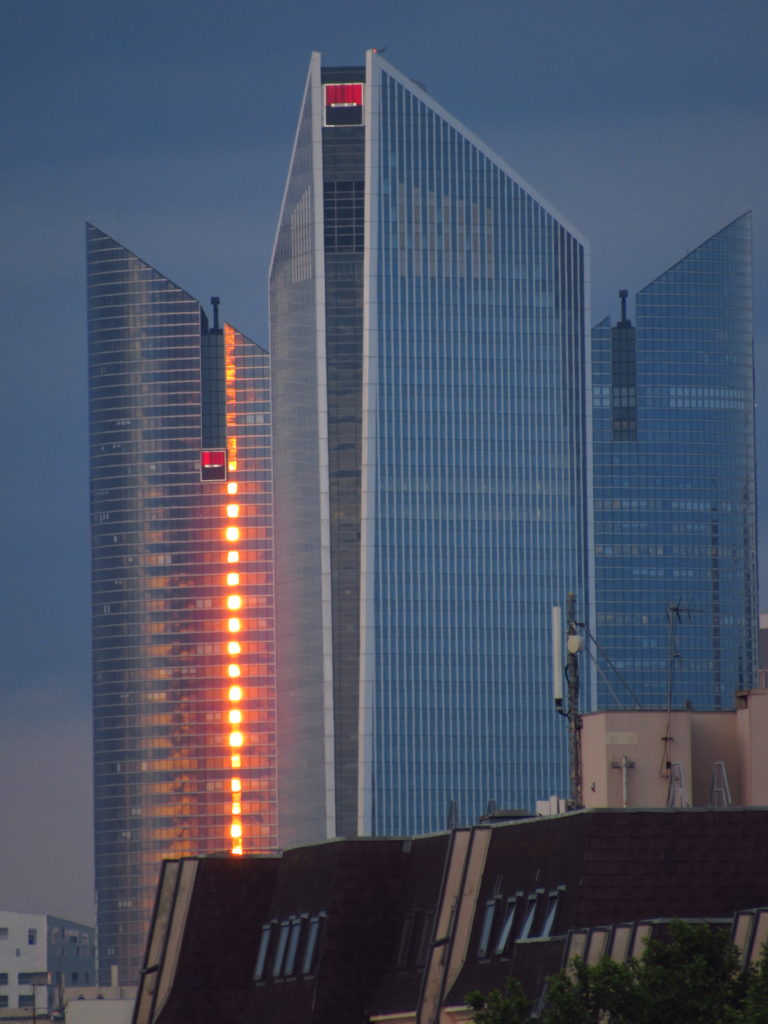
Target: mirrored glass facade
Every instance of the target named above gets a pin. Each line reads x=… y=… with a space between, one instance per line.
x=427 y=319
x=674 y=473
x=183 y=670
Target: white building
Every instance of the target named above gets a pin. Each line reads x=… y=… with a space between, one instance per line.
x=39 y=956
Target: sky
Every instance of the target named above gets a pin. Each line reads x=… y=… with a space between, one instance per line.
x=170 y=125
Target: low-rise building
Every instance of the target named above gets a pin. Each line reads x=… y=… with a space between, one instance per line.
x=683 y=758
x=401 y=929
x=104 y=1004
x=39 y=956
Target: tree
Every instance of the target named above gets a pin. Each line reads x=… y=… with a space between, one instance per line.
x=510 y=1007
x=695 y=977
x=756 y=1000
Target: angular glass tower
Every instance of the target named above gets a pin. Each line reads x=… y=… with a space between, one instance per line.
x=183 y=673
x=674 y=484
x=430 y=447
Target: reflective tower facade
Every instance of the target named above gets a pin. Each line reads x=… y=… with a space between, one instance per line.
x=429 y=374
x=674 y=475
x=183 y=674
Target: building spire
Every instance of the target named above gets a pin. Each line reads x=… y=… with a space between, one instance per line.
x=623 y=293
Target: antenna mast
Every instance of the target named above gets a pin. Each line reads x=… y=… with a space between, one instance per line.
x=573 y=714
x=575 y=644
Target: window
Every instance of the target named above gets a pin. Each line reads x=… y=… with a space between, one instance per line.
x=3 y=933
x=3 y=977
x=759 y=935
x=620 y=940
x=549 y=920
x=282 y=942
x=261 y=956
x=310 y=950
x=294 y=935
x=426 y=938
x=504 y=940
x=530 y=914
x=405 y=941
x=485 y=931
x=3 y=1001
x=75 y=978
x=32 y=936
x=26 y=1002
x=598 y=945
x=576 y=945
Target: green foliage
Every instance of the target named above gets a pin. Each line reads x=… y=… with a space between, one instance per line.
x=510 y=1007
x=756 y=1001
x=693 y=978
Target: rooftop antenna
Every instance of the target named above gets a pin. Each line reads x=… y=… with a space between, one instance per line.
x=574 y=645
x=215 y=300
x=675 y=612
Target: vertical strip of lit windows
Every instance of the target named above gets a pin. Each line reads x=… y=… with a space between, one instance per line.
x=234 y=604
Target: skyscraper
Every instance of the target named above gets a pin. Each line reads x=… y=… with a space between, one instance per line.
x=183 y=677
x=429 y=374
x=674 y=479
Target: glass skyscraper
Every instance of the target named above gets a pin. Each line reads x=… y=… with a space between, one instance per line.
x=674 y=484
x=430 y=447
x=183 y=672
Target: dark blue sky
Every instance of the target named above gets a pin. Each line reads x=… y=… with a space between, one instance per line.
x=170 y=125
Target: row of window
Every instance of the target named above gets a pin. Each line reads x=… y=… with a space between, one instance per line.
x=686 y=550
x=663 y=504
x=522 y=917
x=288 y=948
x=31 y=935
x=33 y=977
x=504 y=922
